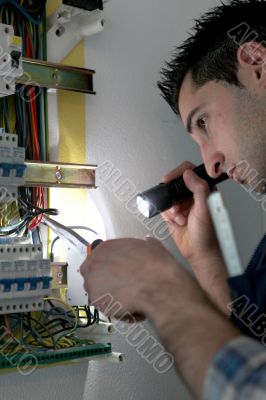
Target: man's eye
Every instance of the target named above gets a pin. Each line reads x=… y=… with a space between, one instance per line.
x=201 y=123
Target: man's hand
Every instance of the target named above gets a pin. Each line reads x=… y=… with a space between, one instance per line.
x=141 y=277
x=190 y=220
x=193 y=233
x=132 y=271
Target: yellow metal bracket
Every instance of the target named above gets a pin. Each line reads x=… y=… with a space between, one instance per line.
x=56 y=76
x=65 y=175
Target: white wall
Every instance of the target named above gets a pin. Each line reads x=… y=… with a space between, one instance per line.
x=129 y=124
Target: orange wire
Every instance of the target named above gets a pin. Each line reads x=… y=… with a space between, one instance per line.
x=38 y=193
x=36 y=148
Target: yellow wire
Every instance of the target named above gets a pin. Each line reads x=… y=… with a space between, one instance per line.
x=61 y=342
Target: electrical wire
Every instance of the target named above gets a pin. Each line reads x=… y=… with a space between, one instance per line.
x=74 y=328
x=40 y=331
x=30 y=213
x=55 y=327
x=21 y=10
x=28 y=103
x=51 y=328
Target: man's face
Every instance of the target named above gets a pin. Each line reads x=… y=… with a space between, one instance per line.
x=229 y=125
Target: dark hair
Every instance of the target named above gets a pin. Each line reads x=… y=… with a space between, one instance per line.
x=210 y=51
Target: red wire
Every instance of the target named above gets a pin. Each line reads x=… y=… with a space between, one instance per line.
x=38 y=193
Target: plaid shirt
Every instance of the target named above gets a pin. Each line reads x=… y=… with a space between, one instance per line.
x=238 y=372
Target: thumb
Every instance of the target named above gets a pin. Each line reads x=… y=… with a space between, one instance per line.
x=198 y=186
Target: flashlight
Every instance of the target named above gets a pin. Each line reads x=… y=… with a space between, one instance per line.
x=161 y=197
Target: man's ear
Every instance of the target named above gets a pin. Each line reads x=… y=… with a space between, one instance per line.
x=252 y=55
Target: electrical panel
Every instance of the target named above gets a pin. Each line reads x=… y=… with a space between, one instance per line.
x=40 y=315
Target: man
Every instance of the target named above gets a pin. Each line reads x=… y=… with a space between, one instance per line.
x=216 y=83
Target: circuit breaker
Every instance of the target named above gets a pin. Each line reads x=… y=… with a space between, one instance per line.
x=10 y=59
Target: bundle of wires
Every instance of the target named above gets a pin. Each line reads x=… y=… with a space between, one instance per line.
x=53 y=328
x=25 y=113
x=29 y=212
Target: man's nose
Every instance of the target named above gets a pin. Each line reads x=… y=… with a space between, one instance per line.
x=214 y=165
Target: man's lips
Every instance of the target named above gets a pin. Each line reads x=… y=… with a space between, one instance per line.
x=233 y=175
x=237 y=179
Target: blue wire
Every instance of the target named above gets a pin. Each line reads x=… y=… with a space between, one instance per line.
x=24 y=12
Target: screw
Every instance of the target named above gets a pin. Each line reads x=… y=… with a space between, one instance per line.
x=58 y=175
x=55 y=76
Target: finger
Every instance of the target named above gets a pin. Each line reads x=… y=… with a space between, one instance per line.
x=171 y=213
x=176 y=209
x=168 y=216
x=176 y=218
x=175 y=173
x=180 y=219
x=198 y=186
x=183 y=207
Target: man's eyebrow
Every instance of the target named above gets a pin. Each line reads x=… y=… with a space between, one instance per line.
x=190 y=117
